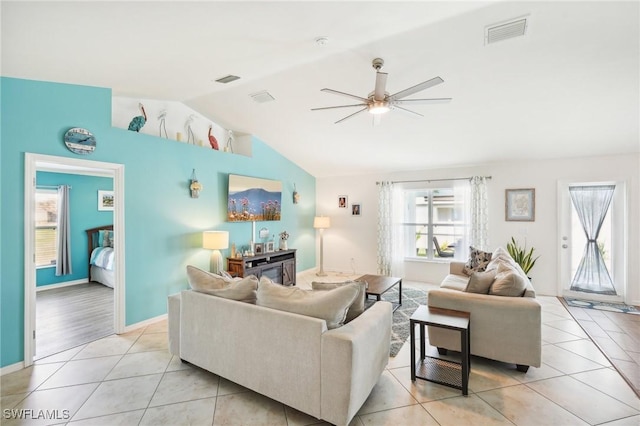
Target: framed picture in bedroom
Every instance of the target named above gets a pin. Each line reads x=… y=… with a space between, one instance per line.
x=520 y=205
x=105 y=200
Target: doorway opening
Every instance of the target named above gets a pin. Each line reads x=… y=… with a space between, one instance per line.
x=35 y=163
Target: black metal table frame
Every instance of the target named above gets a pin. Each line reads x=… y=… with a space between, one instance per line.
x=378 y=296
x=465 y=353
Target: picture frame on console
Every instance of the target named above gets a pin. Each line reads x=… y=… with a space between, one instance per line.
x=520 y=205
x=258 y=248
x=269 y=247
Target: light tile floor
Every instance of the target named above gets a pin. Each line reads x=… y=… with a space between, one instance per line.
x=131 y=379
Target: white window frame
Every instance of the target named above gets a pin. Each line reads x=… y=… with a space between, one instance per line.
x=53 y=264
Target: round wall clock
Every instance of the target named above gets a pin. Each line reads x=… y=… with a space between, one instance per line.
x=80 y=141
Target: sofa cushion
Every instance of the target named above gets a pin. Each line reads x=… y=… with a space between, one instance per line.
x=508 y=282
x=331 y=305
x=478 y=261
x=357 y=307
x=455 y=282
x=242 y=289
x=480 y=282
x=203 y=280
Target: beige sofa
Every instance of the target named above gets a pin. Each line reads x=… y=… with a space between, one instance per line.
x=288 y=357
x=503 y=328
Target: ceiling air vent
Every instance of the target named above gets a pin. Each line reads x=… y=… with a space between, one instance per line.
x=505 y=30
x=262 y=97
x=228 y=79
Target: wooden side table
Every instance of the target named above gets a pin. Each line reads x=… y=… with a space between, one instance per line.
x=438 y=370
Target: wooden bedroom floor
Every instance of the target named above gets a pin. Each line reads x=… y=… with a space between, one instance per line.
x=70 y=316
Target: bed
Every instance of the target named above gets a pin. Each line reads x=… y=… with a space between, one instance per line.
x=101 y=255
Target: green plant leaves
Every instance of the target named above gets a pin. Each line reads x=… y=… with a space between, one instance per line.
x=522 y=257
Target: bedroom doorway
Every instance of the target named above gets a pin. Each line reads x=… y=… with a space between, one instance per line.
x=115 y=297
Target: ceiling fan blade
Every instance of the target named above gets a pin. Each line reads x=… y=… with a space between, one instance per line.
x=415 y=89
x=407 y=111
x=381 y=84
x=335 y=92
x=350 y=115
x=422 y=101
x=339 y=106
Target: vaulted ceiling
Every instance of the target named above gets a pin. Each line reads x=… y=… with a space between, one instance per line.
x=569 y=87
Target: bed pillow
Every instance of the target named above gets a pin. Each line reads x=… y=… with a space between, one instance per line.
x=508 y=282
x=107 y=238
x=357 y=307
x=240 y=289
x=329 y=305
x=480 y=282
x=478 y=261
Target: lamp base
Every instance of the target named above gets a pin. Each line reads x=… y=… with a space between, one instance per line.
x=215 y=265
x=321 y=274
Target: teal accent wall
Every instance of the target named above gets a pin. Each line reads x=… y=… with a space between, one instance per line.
x=163 y=224
x=83 y=204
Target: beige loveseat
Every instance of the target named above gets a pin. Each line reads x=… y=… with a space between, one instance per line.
x=288 y=357
x=503 y=328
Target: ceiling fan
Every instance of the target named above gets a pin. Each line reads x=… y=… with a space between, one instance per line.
x=379 y=101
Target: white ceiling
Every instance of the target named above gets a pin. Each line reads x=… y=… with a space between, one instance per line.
x=570 y=87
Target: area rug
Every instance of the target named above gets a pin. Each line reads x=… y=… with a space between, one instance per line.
x=411 y=299
x=603 y=306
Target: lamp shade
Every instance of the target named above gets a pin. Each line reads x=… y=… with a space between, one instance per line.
x=321 y=222
x=215 y=240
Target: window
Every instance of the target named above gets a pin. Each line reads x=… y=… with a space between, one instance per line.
x=430 y=216
x=46 y=227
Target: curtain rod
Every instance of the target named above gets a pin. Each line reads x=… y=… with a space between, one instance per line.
x=432 y=180
x=51 y=186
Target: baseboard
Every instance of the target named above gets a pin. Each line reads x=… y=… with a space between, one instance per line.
x=144 y=323
x=11 y=368
x=60 y=285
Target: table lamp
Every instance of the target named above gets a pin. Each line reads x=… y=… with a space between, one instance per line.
x=321 y=223
x=216 y=241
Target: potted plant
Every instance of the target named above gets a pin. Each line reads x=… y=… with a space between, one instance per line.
x=521 y=255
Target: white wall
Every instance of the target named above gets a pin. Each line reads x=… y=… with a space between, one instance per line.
x=354 y=238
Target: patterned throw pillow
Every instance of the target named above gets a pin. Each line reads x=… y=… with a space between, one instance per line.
x=478 y=261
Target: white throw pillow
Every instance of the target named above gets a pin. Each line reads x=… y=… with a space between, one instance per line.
x=331 y=305
x=241 y=289
x=357 y=307
x=203 y=280
x=480 y=282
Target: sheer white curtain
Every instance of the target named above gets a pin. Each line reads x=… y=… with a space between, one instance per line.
x=472 y=194
x=479 y=213
x=63 y=261
x=390 y=235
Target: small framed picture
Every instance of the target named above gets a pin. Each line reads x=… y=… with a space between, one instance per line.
x=356 y=209
x=520 y=205
x=105 y=200
x=342 y=201
x=268 y=247
x=258 y=248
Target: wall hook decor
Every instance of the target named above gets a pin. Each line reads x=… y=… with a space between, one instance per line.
x=296 y=196
x=195 y=186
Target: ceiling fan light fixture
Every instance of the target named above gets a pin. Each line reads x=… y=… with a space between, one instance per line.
x=379 y=107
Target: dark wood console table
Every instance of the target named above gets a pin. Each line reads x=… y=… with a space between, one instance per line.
x=279 y=266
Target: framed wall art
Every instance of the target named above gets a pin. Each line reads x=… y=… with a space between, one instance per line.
x=520 y=205
x=342 y=201
x=105 y=200
x=356 y=209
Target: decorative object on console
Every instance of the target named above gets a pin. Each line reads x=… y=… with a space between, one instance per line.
x=138 y=121
x=258 y=248
x=269 y=247
x=284 y=236
x=321 y=223
x=105 y=200
x=520 y=205
x=252 y=199
x=80 y=141
x=216 y=241
x=195 y=186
